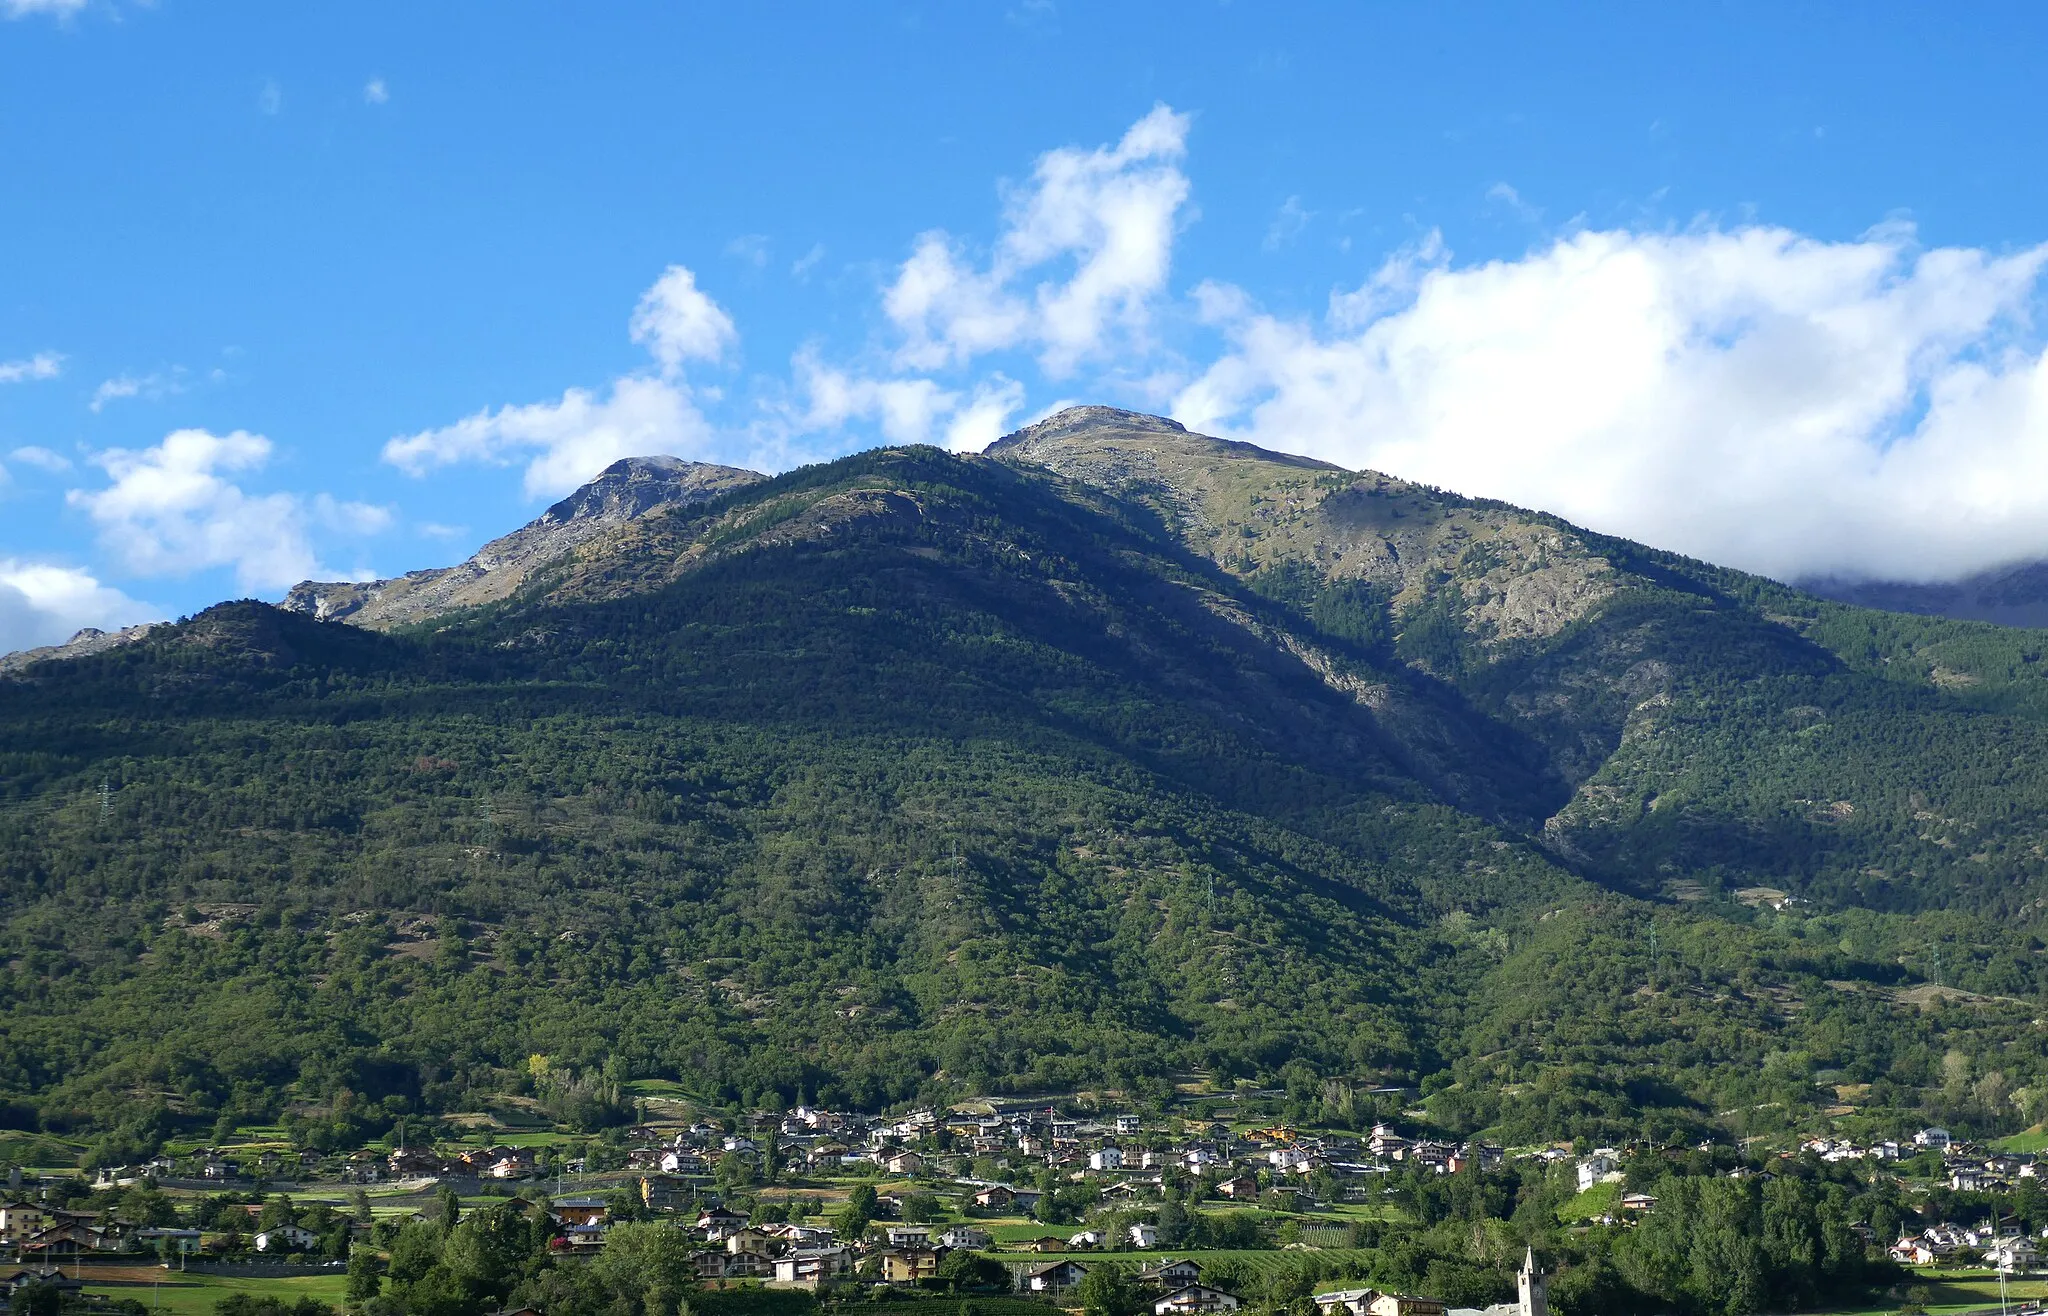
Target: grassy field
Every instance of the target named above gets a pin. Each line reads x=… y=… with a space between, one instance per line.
x=1598 y=1200
x=1953 y=1292
x=2032 y=1140
x=195 y=1295
x=1263 y=1261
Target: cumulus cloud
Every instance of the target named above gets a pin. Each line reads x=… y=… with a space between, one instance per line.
x=45 y=603
x=172 y=510
x=907 y=409
x=43 y=365
x=1754 y=396
x=1094 y=228
x=676 y=322
x=984 y=417
x=375 y=92
x=565 y=443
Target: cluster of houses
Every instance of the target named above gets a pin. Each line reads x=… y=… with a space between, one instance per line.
x=2002 y=1246
x=46 y=1235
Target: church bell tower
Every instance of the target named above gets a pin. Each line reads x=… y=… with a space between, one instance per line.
x=1532 y=1288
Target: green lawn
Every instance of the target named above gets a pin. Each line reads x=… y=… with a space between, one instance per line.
x=1261 y=1261
x=195 y=1295
x=2032 y=1140
x=532 y=1138
x=1598 y=1200
x=1960 y=1291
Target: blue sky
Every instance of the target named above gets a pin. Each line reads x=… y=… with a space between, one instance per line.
x=348 y=290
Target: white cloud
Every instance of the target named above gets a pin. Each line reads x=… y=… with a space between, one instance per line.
x=986 y=416
x=43 y=603
x=436 y=530
x=564 y=443
x=1753 y=396
x=676 y=322
x=27 y=8
x=907 y=409
x=41 y=458
x=375 y=92
x=803 y=265
x=171 y=511
x=1110 y=212
x=153 y=386
x=43 y=365
x=270 y=99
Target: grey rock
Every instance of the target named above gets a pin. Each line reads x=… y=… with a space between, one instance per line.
x=88 y=641
x=625 y=491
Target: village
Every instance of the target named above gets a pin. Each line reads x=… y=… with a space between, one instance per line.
x=1013 y=1198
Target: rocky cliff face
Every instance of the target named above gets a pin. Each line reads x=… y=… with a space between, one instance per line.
x=626 y=491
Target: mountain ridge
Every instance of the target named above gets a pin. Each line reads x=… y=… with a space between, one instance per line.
x=629 y=488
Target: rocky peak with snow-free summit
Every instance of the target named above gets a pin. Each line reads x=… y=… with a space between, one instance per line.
x=627 y=490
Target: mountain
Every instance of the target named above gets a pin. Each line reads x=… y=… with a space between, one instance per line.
x=2008 y=596
x=1117 y=756
x=88 y=640
x=626 y=490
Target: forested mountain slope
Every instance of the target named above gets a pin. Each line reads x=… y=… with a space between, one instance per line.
x=915 y=774
x=1714 y=728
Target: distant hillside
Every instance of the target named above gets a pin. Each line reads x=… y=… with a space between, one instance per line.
x=1115 y=757
x=2008 y=596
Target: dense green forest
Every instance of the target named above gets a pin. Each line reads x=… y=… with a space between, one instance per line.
x=912 y=776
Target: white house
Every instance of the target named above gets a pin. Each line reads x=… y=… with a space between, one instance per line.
x=1939 y=1139
x=1597 y=1167
x=1195 y=1300
x=286 y=1238
x=1143 y=1235
x=1106 y=1158
x=813 y=1265
x=1057 y=1277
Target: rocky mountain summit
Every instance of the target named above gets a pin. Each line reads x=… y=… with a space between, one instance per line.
x=1251 y=510
x=90 y=640
x=625 y=491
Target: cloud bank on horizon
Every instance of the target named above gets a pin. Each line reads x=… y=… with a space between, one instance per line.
x=1748 y=394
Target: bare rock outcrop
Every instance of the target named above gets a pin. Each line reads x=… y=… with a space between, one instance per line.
x=626 y=491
